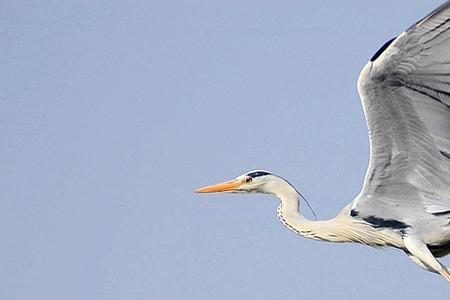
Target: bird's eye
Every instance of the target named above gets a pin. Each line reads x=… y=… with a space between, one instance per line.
x=249 y=180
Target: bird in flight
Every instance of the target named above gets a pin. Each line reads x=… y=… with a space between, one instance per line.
x=405 y=199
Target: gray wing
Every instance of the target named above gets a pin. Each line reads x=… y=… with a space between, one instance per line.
x=405 y=92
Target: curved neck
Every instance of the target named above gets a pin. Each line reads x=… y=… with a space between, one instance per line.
x=333 y=230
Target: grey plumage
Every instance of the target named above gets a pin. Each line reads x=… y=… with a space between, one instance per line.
x=405 y=94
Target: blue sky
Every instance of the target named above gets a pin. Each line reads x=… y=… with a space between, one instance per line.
x=114 y=112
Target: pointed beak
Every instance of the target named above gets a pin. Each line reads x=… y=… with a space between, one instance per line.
x=220 y=187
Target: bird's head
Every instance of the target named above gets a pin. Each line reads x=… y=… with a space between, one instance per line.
x=258 y=181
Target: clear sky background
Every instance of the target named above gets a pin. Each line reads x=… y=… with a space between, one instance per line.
x=113 y=112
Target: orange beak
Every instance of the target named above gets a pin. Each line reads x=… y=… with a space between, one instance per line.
x=220 y=187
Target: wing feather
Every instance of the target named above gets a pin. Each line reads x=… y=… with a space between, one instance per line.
x=405 y=93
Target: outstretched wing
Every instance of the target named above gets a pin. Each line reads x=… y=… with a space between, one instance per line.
x=405 y=92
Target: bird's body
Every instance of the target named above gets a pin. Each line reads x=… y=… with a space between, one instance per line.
x=405 y=199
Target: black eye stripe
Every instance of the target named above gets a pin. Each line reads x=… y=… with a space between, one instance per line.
x=257 y=174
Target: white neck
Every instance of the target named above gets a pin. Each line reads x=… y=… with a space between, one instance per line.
x=342 y=228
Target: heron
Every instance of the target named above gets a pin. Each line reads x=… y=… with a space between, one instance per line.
x=404 y=202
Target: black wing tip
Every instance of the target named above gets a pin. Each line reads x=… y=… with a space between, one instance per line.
x=382 y=49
